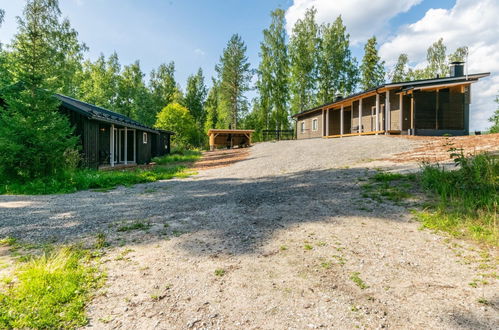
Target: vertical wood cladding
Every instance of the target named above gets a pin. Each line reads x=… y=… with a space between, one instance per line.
x=308 y=119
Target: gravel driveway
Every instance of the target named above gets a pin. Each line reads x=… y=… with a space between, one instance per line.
x=280 y=240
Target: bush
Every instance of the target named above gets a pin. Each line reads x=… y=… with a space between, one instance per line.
x=178 y=156
x=467 y=198
x=177 y=118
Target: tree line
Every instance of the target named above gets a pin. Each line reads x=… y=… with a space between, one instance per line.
x=296 y=72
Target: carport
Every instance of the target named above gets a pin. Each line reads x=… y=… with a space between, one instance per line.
x=230 y=138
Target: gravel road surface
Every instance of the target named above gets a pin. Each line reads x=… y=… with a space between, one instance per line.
x=280 y=240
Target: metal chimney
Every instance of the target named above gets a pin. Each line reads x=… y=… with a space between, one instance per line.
x=338 y=97
x=457 y=69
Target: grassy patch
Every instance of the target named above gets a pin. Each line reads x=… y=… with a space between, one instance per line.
x=137 y=225
x=179 y=156
x=91 y=179
x=384 y=186
x=219 y=272
x=466 y=199
x=49 y=291
x=358 y=281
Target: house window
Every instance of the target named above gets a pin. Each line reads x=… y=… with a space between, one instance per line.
x=144 y=138
x=315 y=124
x=302 y=127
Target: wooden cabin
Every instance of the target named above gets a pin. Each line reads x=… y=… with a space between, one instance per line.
x=423 y=107
x=108 y=138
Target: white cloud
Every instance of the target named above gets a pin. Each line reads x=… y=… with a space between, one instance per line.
x=362 y=18
x=472 y=23
x=199 y=52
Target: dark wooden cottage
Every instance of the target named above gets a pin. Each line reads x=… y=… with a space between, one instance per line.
x=109 y=138
x=423 y=107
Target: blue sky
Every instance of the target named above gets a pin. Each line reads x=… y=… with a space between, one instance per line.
x=193 y=33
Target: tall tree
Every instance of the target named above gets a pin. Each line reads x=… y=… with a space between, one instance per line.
x=177 y=118
x=163 y=86
x=400 y=71
x=273 y=74
x=437 y=60
x=459 y=55
x=34 y=137
x=195 y=96
x=303 y=54
x=337 y=70
x=494 y=119
x=212 y=107
x=99 y=82
x=372 y=68
x=132 y=94
x=4 y=73
x=234 y=75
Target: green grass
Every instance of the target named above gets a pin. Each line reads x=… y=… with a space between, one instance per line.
x=466 y=199
x=219 y=272
x=91 y=179
x=49 y=291
x=137 y=225
x=181 y=156
x=358 y=281
x=383 y=186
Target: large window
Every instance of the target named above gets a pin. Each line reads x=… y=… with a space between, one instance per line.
x=315 y=124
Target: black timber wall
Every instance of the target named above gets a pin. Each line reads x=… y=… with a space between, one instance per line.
x=88 y=133
x=143 y=149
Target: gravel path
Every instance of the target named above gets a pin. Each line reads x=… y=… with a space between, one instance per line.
x=282 y=239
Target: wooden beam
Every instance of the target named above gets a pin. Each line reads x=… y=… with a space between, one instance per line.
x=412 y=114
x=126 y=146
x=341 y=120
x=401 y=116
x=388 y=116
x=135 y=146
x=377 y=114
x=111 y=149
x=354 y=134
x=360 y=117
x=212 y=141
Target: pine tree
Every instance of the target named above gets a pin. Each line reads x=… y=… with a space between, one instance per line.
x=400 y=71
x=234 y=75
x=303 y=54
x=212 y=107
x=337 y=70
x=372 y=68
x=273 y=75
x=4 y=73
x=35 y=138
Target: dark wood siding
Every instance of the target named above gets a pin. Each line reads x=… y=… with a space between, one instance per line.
x=143 y=149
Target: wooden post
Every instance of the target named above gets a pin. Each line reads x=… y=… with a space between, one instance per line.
x=327 y=122
x=351 y=118
x=324 y=123
x=376 y=127
x=126 y=146
x=437 y=109
x=341 y=120
x=134 y=146
x=212 y=141
x=360 y=116
x=401 y=116
x=412 y=114
x=388 y=116
x=111 y=146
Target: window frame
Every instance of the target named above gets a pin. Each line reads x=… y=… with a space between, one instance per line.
x=144 y=138
x=315 y=124
x=302 y=127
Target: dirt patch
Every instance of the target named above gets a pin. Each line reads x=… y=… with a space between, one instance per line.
x=436 y=149
x=220 y=158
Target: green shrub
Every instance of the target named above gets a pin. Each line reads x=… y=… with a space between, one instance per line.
x=50 y=291
x=467 y=198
